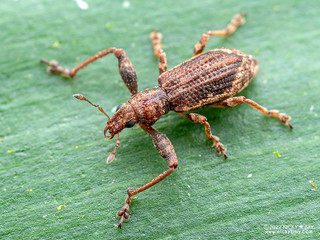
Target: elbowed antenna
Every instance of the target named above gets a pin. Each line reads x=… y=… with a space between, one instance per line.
x=81 y=97
x=113 y=154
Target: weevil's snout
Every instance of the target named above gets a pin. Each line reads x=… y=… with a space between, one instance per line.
x=123 y=118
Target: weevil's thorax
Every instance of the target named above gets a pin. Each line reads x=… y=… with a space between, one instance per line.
x=150 y=105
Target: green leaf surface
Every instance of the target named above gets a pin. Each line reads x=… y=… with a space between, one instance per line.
x=54 y=182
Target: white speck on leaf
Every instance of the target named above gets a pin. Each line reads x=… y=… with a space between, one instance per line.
x=311 y=108
x=250 y=175
x=82 y=4
x=126 y=4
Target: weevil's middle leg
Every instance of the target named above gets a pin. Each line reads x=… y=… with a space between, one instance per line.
x=126 y=69
x=197 y=118
x=166 y=150
x=234 y=101
x=237 y=20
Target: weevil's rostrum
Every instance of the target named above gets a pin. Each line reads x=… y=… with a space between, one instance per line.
x=211 y=79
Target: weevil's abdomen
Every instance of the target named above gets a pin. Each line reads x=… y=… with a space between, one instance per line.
x=208 y=78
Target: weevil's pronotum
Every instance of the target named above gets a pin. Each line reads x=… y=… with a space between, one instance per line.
x=207 y=79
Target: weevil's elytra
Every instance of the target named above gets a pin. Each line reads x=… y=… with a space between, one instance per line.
x=207 y=79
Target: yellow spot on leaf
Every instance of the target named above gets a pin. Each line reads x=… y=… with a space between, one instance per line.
x=276 y=8
x=60 y=207
x=313 y=184
x=76 y=147
x=109 y=25
x=29 y=190
x=56 y=44
x=277 y=153
x=11 y=151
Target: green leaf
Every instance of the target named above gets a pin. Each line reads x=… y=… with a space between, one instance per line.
x=53 y=154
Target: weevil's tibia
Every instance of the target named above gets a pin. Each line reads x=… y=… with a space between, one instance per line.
x=126 y=69
x=166 y=150
x=162 y=62
x=237 y=21
x=234 y=101
x=197 y=118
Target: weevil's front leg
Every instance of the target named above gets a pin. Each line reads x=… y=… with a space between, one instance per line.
x=155 y=38
x=197 y=118
x=126 y=69
x=234 y=101
x=237 y=20
x=166 y=150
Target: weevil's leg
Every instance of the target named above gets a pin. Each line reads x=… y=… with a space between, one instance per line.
x=162 y=62
x=166 y=150
x=237 y=20
x=234 y=101
x=126 y=69
x=155 y=38
x=197 y=118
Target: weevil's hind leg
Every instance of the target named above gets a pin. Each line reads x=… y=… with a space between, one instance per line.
x=197 y=118
x=126 y=69
x=166 y=150
x=234 y=101
x=237 y=20
x=155 y=38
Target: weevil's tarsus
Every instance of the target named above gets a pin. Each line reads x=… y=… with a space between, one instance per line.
x=53 y=67
x=155 y=38
x=237 y=21
x=123 y=214
x=197 y=118
x=81 y=97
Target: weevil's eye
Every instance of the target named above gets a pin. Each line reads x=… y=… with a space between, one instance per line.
x=119 y=107
x=130 y=124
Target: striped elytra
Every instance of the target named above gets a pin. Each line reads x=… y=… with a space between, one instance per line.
x=208 y=78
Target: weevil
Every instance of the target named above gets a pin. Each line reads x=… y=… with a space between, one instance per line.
x=211 y=78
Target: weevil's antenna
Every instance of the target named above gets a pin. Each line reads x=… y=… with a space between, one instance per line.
x=81 y=97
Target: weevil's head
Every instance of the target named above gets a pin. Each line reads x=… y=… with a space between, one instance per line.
x=124 y=117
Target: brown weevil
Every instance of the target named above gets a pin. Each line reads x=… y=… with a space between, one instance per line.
x=207 y=79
